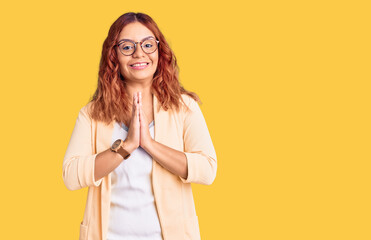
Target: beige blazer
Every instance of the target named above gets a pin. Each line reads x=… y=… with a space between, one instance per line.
x=184 y=131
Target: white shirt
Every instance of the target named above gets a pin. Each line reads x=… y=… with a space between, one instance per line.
x=133 y=214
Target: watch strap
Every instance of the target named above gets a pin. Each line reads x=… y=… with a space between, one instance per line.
x=123 y=152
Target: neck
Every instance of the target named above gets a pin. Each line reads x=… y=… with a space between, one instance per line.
x=134 y=87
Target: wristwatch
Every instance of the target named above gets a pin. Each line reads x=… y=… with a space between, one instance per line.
x=118 y=147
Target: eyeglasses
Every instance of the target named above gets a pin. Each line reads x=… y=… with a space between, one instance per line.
x=128 y=47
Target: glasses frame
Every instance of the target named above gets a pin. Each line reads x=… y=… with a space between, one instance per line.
x=135 y=45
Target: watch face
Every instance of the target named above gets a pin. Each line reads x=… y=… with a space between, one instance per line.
x=116 y=143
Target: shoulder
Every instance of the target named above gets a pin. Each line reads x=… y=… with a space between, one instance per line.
x=85 y=111
x=189 y=102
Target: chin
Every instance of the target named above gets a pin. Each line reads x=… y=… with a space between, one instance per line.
x=142 y=78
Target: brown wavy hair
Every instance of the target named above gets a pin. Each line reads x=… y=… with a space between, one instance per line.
x=111 y=100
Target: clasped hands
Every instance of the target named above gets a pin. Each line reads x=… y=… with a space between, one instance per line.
x=138 y=133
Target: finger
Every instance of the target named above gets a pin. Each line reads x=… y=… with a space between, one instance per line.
x=140 y=115
x=134 y=105
x=143 y=117
x=140 y=111
x=140 y=98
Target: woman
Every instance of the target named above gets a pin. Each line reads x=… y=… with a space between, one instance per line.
x=140 y=142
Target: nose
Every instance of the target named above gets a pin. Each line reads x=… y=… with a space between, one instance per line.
x=138 y=51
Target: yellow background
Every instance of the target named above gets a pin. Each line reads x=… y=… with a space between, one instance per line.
x=285 y=87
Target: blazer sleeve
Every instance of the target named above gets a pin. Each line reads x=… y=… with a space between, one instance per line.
x=79 y=160
x=198 y=147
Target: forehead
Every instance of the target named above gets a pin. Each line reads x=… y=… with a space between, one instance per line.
x=135 y=31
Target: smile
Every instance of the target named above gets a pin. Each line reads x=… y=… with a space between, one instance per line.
x=139 y=66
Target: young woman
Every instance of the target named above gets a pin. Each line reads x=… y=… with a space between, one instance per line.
x=140 y=142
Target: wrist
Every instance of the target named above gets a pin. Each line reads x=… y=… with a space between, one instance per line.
x=147 y=146
x=129 y=146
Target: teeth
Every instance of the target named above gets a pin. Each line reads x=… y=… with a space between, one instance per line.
x=139 y=64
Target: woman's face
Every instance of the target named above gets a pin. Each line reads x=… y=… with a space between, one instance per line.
x=140 y=66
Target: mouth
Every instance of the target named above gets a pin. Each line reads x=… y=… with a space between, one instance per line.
x=139 y=64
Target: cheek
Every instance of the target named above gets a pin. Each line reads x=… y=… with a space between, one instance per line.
x=155 y=60
x=155 y=66
x=123 y=64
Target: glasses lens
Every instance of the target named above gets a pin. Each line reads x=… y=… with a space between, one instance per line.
x=149 y=46
x=126 y=48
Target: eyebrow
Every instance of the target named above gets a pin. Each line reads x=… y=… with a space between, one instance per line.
x=125 y=39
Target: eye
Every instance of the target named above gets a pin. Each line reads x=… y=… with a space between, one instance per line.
x=126 y=48
x=148 y=45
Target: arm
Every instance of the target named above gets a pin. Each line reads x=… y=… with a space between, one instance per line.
x=107 y=161
x=171 y=159
x=198 y=147
x=198 y=161
x=79 y=160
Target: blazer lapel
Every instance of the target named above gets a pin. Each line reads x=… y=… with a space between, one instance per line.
x=156 y=172
x=104 y=137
